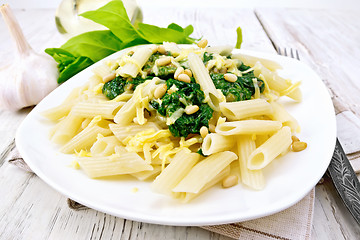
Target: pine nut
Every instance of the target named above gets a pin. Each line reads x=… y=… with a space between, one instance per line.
x=178 y=71
x=228 y=63
x=163 y=61
x=188 y=72
x=129 y=87
x=229 y=181
x=154 y=48
x=203 y=43
x=230 y=77
x=191 y=109
x=298 y=146
x=160 y=91
x=204 y=131
x=295 y=139
x=161 y=49
x=109 y=77
x=223 y=70
x=184 y=78
x=212 y=128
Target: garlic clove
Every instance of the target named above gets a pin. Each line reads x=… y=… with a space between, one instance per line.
x=30 y=77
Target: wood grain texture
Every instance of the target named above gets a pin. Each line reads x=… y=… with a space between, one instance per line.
x=319 y=37
x=327 y=40
x=30 y=209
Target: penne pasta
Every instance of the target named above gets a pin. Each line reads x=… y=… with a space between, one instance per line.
x=188 y=196
x=104 y=146
x=86 y=138
x=248 y=127
x=122 y=132
x=214 y=143
x=106 y=110
x=268 y=151
x=115 y=164
x=283 y=116
x=245 y=109
x=251 y=178
x=128 y=111
x=205 y=171
x=251 y=61
x=202 y=77
x=136 y=62
x=277 y=83
x=179 y=167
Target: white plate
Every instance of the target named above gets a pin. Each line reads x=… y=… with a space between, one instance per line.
x=288 y=179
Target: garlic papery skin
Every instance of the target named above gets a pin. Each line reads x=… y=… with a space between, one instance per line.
x=30 y=77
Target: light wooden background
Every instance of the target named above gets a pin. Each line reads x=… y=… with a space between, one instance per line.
x=328 y=41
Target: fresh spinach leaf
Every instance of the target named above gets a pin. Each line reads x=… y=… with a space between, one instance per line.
x=240 y=90
x=68 y=64
x=207 y=57
x=113 y=16
x=155 y=34
x=187 y=94
x=114 y=88
x=73 y=68
x=94 y=45
x=188 y=124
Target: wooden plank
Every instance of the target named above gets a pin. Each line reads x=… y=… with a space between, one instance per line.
x=319 y=37
x=326 y=40
x=213 y=25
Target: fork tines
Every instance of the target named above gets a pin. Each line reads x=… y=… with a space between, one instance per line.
x=289 y=53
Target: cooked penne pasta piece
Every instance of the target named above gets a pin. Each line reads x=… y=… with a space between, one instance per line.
x=248 y=127
x=244 y=109
x=102 y=71
x=252 y=178
x=214 y=143
x=179 y=167
x=64 y=108
x=147 y=174
x=280 y=114
x=212 y=96
x=268 y=151
x=67 y=128
x=205 y=171
x=86 y=138
x=141 y=95
x=277 y=83
x=122 y=132
x=104 y=146
x=222 y=50
x=115 y=164
x=187 y=196
x=251 y=61
x=106 y=110
x=136 y=62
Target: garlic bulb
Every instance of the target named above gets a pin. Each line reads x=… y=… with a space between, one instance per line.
x=30 y=77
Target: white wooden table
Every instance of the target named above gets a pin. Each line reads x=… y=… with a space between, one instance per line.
x=328 y=41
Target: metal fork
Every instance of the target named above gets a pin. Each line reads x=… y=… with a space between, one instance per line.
x=340 y=170
x=293 y=53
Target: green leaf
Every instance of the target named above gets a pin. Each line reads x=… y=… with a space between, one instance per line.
x=73 y=68
x=155 y=34
x=239 y=37
x=95 y=45
x=188 y=30
x=175 y=27
x=113 y=16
